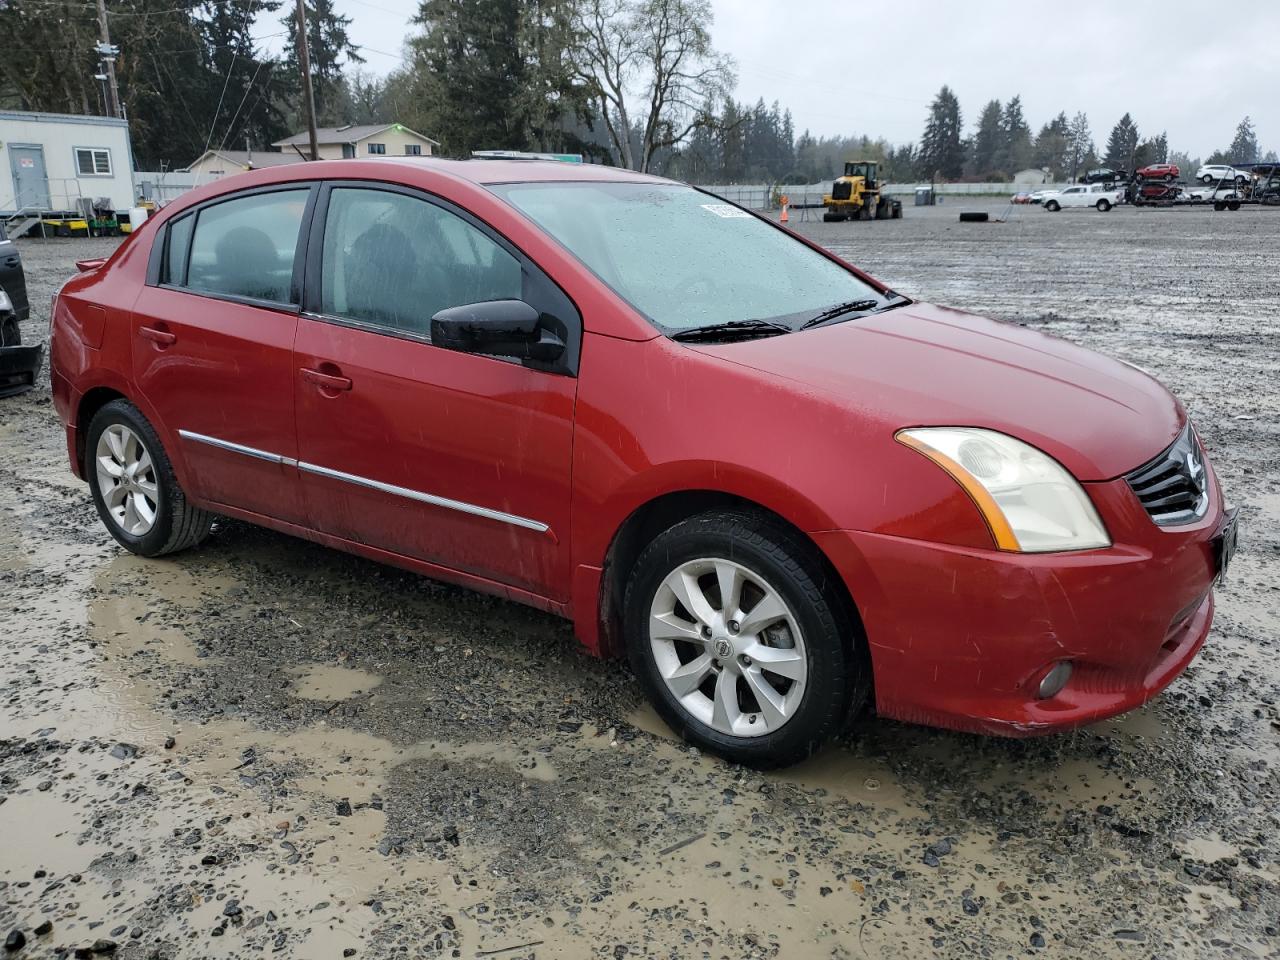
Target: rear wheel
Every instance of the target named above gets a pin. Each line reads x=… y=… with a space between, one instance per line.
x=1169 y=178
x=1233 y=204
x=1206 y=179
x=740 y=641
x=1103 y=205
x=134 y=487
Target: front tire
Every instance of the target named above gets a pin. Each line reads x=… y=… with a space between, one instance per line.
x=1103 y=206
x=741 y=641
x=134 y=487
x=1052 y=206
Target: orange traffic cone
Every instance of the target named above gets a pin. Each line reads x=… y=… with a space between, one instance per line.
x=784 y=212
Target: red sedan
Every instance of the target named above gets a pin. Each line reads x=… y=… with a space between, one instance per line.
x=782 y=489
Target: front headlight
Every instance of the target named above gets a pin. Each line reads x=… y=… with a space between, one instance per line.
x=1030 y=502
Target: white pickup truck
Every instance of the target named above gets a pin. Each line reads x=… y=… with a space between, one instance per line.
x=1101 y=196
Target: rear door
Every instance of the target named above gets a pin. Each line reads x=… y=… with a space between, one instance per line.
x=456 y=459
x=213 y=338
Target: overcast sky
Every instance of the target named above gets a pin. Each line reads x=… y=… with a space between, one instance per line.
x=857 y=67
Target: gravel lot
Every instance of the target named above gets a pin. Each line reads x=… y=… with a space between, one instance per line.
x=266 y=746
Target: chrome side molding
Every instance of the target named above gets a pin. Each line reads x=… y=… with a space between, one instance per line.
x=418 y=495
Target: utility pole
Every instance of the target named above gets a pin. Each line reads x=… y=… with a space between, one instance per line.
x=108 y=54
x=304 y=61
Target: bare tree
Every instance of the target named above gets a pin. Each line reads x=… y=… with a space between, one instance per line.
x=649 y=66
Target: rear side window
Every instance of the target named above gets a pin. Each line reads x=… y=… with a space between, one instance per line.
x=175 y=259
x=246 y=247
x=395 y=260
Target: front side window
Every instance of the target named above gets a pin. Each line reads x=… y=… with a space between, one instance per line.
x=683 y=258
x=394 y=260
x=93 y=161
x=246 y=247
x=378 y=148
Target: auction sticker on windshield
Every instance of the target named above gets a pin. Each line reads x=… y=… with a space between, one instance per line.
x=726 y=210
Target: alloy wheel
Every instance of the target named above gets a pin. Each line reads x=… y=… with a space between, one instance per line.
x=127 y=480
x=728 y=647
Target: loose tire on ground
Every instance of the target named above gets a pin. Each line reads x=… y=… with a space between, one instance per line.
x=974 y=217
x=177 y=524
x=773 y=561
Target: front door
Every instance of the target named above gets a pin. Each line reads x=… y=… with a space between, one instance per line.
x=213 y=346
x=30 y=182
x=455 y=459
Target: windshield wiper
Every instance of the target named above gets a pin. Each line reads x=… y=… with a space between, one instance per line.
x=731 y=330
x=855 y=306
x=839 y=310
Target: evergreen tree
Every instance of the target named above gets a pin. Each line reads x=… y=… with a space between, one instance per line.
x=1052 y=150
x=470 y=73
x=1122 y=145
x=941 y=148
x=1244 y=148
x=330 y=49
x=1015 y=152
x=1081 y=145
x=987 y=141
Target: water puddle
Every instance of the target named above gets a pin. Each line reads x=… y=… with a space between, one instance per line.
x=331 y=683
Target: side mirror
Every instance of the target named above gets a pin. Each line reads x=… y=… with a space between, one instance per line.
x=501 y=328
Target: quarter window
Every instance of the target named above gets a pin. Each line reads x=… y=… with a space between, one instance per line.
x=394 y=260
x=175 y=260
x=93 y=162
x=246 y=247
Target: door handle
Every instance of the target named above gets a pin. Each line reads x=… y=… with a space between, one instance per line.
x=162 y=337
x=326 y=381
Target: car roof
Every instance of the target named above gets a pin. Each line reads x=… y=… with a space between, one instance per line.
x=506 y=170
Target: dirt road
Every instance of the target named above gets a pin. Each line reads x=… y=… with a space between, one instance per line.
x=263 y=745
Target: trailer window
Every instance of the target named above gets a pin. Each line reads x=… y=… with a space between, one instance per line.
x=93 y=161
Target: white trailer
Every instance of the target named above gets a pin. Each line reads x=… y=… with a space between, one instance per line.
x=49 y=162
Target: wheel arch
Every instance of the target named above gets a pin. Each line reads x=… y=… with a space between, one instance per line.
x=659 y=513
x=93 y=400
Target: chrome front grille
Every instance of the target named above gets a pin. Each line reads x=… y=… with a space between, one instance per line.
x=1174 y=487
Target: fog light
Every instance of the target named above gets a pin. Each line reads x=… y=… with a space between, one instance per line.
x=1053 y=681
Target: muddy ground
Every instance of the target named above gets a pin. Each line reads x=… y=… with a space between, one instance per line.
x=263 y=747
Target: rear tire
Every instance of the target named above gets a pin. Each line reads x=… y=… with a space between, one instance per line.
x=1206 y=179
x=1233 y=204
x=134 y=487
x=1103 y=206
x=704 y=668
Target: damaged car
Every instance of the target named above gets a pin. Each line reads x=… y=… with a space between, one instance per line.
x=785 y=491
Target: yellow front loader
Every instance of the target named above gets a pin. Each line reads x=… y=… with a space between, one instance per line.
x=856 y=196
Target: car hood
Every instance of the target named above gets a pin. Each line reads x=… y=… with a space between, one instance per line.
x=922 y=365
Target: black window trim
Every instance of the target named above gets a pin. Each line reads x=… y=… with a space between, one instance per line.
x=311 y=289
x=160 y=248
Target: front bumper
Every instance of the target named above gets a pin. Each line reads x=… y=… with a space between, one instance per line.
x=960 y=638
x=18 y=368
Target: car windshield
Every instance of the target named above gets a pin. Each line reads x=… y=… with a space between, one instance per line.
x=684 y=259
